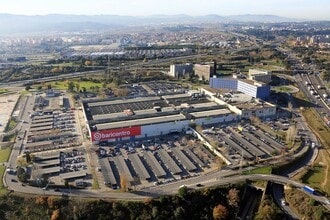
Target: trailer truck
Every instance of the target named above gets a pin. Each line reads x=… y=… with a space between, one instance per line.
x=309 y=190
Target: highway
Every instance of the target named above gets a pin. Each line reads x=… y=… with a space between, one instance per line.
x=278 y=197
x=211 y=179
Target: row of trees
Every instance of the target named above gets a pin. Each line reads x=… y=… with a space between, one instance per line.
x=215 y=203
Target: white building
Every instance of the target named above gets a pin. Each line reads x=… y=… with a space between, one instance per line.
x=260 y=75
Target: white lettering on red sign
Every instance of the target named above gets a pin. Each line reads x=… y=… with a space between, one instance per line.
x=99 y=136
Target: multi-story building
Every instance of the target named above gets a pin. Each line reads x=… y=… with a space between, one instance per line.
x=180 y=70
x=249 y=87
x=241 y=104
x=205 y=71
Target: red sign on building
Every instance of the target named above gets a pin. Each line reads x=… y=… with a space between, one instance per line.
x=115 y=133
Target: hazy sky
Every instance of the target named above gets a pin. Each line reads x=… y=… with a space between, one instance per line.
x=308 y=9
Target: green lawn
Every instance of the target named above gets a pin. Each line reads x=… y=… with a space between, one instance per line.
x=3 y=91
x=314 y=176
x=11 y=125
x=63 y=85
x=283 y=89
x=4 y=154
x=2 y=188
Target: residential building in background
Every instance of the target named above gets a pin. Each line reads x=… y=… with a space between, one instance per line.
x=180 y=70
x=205 y=71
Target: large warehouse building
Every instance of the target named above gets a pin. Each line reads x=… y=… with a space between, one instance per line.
x=123 y=119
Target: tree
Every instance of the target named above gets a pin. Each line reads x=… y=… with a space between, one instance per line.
x=220 y=212
x=179 y=213
x=291 y=133
x=56 y=214
x=219 y=162
x=233 y=197
x=325 y=75
x=121 y=92
x=290 y=106
x=28 y=157
x=183 y=191
x=155 y=212
x=77 y=86
x=70 y=86
x=27 y=88
x=123 y=182
x=88 y=63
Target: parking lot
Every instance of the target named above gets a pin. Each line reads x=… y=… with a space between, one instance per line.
x=153 y=162
x=247 y=142
x=51 y=128
x=61 y=166
x=53 y=139
x=165 y=87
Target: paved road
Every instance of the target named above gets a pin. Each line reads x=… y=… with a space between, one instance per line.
x=18 y=145
x=278 y=196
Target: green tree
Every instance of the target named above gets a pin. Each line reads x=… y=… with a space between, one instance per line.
x=183 y=191
x=179 y=213
x=28 y=157
x=77 y=86
x=325 y=75
x=27 y=88
x=71 y=86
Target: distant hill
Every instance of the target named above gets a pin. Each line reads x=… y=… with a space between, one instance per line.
x=260 y=18
x=13 y=24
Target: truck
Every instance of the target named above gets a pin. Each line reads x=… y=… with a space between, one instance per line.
x=309 y=190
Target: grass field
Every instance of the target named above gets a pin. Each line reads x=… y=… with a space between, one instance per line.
x=4 y=154
x=11 y=125
x=283 y=89
x=2 y=188
x=261 y=170
x=63 y=85
x=314 y=176
x=3 y=91
x=318 y=176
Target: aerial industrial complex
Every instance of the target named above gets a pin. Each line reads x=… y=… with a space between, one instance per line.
x=122 y=119
x=142 y=137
